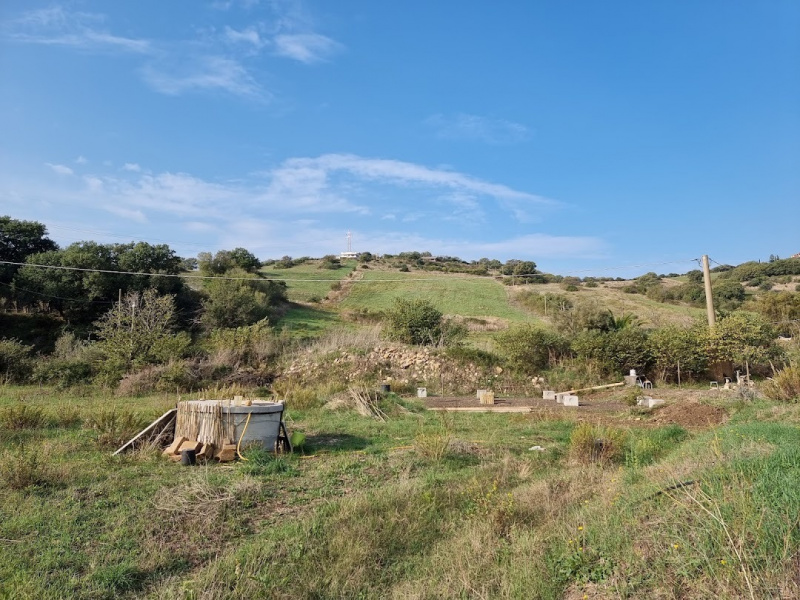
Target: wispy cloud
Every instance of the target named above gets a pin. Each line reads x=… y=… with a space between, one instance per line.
x=131 y=215
x=307 y=48
x=60 y=169
x=205 y=73
x=406 y=173
x=58 y=27
x=223 y=61
x=81 y=160
x=476 y=128
x=248 y=36
x=134 y=167
x=93 y=184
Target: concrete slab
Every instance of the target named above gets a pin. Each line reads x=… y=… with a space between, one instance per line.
x=548 y=395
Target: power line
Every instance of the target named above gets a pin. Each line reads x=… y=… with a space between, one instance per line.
x=79 y=300
x=293 y=279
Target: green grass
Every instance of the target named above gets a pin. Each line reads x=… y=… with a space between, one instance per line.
x=451 y=294
x=300 y=289
x=363 y=510
x=305 y=321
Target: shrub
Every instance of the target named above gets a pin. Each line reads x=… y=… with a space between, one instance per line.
x=619 y=351
x=62 y=372
x=597 y=444
x=22 y=468
x=22 y=416
x=785 y=385
x=531 y=349
x=15 y=364
x=433 y=443
x=414 y=322
x=113 y=427
x=473 y=355
x=237 y=303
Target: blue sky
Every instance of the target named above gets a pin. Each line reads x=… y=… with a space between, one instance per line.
x=582 y=135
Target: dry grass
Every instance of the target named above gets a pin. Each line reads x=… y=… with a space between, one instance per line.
x=785 y=386
x=363 y=338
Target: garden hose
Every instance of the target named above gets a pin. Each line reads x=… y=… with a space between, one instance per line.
x=239 y=444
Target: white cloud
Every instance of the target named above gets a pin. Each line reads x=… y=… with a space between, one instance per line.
x=132 y=167
x=406 y=173
x=306 y=47
x=126 y=213
x=94 y=184
x=476 y=128
x=199 y=227
x=81 y=160
x=55 y=26
x=60 y=169
x=205 y=73
x=248 y=36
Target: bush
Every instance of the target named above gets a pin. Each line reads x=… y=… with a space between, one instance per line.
x=114 y=428
x=414 y=322
x=619 y=351
x=15 y=363
x=785 y=386
x=22 y=416
x=532 y=349
x=62 y=372
x=23 y=468
x=597 y=444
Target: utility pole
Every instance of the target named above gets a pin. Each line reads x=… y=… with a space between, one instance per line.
x=709 y=298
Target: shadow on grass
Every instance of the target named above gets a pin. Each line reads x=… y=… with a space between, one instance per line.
x=334 y=442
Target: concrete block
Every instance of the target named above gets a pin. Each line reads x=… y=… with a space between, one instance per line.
x=206 y=452
x=172 y=450
x=630 y=380
x=190 y=445
x=648 y=402
x=487 y=397
x=481 y=393
x=548 y=395
x=422 y=392
x=569 y=400
x=227 y=453
x=560 y=397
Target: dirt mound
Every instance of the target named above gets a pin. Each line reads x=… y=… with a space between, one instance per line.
x=690 y=414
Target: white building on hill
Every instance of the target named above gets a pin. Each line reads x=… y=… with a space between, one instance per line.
x=349 y=252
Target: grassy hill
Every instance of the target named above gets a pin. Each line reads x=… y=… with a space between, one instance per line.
x=307 y=281
x=451 y=293
x=376 y=289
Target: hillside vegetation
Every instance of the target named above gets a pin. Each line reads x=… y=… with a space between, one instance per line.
x=389 y=496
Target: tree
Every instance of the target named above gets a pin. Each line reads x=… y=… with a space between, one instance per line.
x=18 y=241
x=414 y=322
x=83 y=290
x=329 y=261
x=245 y=260
x=237 y=303
x=741 y=338
x=679 y=350
x=139 y=331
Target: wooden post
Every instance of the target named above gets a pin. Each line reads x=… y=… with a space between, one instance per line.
x=709 y=298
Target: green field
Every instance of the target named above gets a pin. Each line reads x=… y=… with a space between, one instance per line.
x=451 y=294
x=306 y=281
x=418 y=506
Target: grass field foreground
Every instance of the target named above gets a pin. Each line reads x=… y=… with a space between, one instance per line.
x=420 y=506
